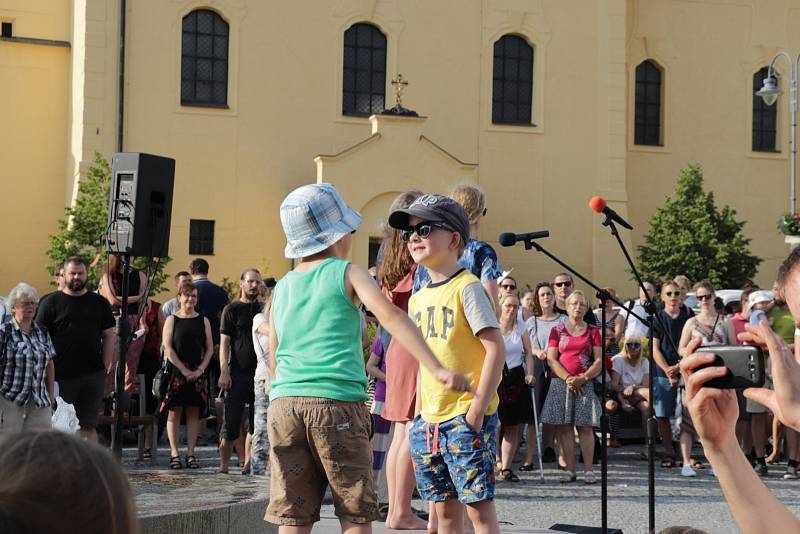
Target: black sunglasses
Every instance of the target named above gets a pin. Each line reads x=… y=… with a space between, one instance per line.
x=705 y=297
x=484 y=211
x=423 y=230
x=563 y=284
x=509 y=287
x=634 y=345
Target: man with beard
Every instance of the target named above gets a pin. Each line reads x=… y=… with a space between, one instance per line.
x=237 y=362
x=81 y=326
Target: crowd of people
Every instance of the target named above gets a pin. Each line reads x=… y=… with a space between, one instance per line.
x=465 y=368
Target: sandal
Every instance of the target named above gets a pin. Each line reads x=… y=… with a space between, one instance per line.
x=526 y=467
x=507 y=475
x=147 y=454
x=589 y=477
x=697 y=464
x=668 y=462
x=175 y=463
x=191 y=462
x=568 y=478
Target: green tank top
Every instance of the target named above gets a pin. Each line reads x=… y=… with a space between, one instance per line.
x=319 y=336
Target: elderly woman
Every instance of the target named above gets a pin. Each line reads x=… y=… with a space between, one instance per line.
x=575 y=357
x=27 y=375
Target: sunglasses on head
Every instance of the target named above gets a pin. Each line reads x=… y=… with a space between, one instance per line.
x=484 y=211
x=563 y=284
x=672 y=293
x=423 y=230
x=705 y=297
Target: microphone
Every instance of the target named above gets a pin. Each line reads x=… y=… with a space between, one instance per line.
x=508 y=239
x=599 y=205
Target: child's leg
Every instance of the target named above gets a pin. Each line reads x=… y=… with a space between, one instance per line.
x=483 y=517
x=285 y=529
x=451 y=517
x=402 y=518
x=354 y=528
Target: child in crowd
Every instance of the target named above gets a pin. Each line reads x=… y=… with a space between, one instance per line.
x=453 y=443
x=376 y=368
x=318 y=420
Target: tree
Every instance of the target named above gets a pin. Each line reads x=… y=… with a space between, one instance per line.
x=690 y=236
x=82 y=231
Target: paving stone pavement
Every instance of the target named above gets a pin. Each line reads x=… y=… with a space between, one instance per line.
x=522 y=507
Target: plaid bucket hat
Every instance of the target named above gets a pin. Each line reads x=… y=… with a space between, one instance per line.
x=314 y=217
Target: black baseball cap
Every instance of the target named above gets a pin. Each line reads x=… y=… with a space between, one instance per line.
x=435 y=209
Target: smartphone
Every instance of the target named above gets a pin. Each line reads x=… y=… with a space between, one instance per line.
x=745 y=364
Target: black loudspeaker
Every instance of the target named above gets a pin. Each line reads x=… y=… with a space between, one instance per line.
x=140 y=204
x=576 y=529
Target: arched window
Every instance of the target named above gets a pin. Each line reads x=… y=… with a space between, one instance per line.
x=204 y=60
x=364 y=77
x=512 y=81
x=647 y=121
x=765 y=118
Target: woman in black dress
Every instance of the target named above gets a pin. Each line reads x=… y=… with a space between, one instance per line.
x=188 y=347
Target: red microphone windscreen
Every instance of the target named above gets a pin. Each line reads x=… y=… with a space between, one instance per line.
x=597 y=204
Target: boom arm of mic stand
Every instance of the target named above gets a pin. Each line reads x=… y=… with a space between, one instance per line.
x=530 y=243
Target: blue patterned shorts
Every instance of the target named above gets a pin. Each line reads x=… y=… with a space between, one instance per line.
x=451 y=461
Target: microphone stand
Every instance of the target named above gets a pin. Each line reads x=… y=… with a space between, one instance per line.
x=652 y=318
x=123 y=333
x=604 y=297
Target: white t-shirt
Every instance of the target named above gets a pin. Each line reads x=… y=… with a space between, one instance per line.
x=630 y=375
x=261 y=345
x=514 y=348
x=635 y=327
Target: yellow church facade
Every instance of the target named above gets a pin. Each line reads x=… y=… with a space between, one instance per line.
x=543 y=103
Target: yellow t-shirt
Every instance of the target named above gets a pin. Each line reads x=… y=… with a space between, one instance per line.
x=450 y=314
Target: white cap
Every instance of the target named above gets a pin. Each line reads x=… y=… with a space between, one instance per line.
x=759 y=296
x=505 y=275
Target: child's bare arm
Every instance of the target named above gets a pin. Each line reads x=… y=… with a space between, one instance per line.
x=491 y=372
x=400 y=326
x=372 y=367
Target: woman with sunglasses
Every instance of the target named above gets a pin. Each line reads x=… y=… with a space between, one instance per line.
x=630 y=380
x=575 y=356
x=714 y=329
x=516 y=407
x=545 y=318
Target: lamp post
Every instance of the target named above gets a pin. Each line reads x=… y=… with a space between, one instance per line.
x=769 y=92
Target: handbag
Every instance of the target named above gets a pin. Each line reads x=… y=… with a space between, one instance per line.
x=162 y=379
x=510 y=391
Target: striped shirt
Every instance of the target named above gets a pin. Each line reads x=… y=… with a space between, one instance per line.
x=23 y=363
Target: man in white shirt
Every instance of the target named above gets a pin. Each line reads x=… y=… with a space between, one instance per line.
x=633 y=326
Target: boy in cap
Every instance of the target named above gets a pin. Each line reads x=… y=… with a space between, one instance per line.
x=318 y=423
x=452 y=441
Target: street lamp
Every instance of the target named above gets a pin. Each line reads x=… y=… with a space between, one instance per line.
x=769 y=92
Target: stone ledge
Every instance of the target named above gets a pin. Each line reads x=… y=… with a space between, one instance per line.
x=245 y=517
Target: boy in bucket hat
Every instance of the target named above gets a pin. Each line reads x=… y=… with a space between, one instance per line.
x=452 y=441
x=318 y=422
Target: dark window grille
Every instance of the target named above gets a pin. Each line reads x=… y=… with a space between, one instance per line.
x=647 y=116
x=512 y=81
x=204 y=60
x=364 y=75
x=201 y=237
x=765 y=118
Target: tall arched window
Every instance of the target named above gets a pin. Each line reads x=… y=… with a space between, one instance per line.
x=364 y=76
x=765 y=118
x=647 y=115
x=204 y=59
x=512 y=81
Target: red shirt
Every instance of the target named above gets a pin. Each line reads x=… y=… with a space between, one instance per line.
x=738 y=325
x=575 y=353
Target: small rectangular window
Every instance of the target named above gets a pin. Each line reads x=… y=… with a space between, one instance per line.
x=201 y=237
x=6 y=29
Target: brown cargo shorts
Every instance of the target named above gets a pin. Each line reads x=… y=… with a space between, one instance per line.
x=314 y=443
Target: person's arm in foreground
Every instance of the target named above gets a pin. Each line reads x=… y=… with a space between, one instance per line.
x=489 y=380
x=397 y=322
x=714 y=413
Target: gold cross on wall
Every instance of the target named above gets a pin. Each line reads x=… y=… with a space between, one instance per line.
x=399 y=84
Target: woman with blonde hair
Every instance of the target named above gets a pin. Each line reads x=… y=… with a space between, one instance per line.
x=396 y=276
x=575 y=356
x=630 y=380
x=478 y=257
